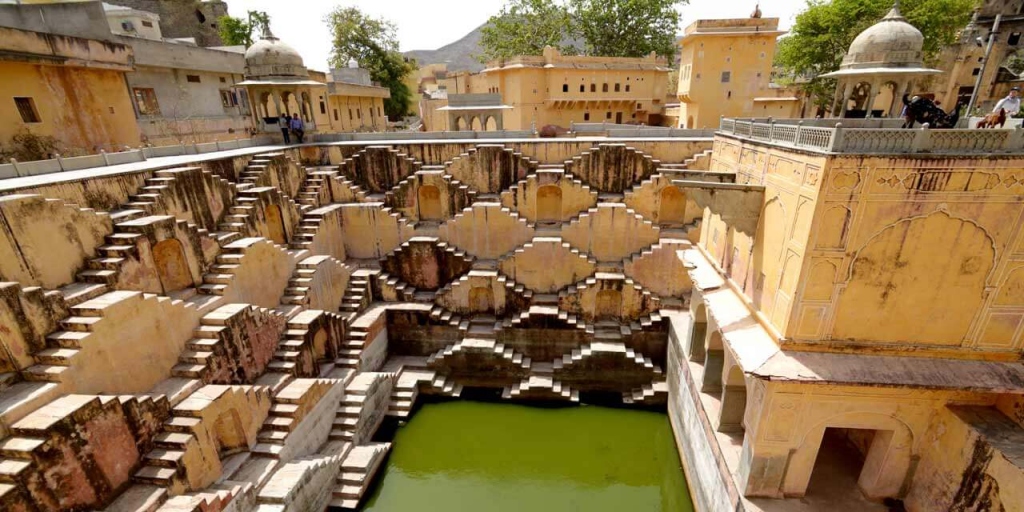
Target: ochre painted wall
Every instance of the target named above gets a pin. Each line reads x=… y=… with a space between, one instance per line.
x=850 y=242
x=86 y=109
x=746 y=55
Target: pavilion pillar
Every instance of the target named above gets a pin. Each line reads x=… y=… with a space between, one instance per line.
x=847 y=92
x=277 y=103
x=869 y=100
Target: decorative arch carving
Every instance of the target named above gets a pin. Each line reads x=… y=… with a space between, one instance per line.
x=897 y=290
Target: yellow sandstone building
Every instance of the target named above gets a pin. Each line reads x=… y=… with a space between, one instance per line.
x=70 y=88
x=556 y=89
x=725 y=70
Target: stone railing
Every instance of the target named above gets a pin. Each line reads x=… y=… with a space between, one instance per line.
x=17 y=169
x=838 y=137
x=635 y=130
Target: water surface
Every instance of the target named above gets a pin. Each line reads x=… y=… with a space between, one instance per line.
x=481 y=457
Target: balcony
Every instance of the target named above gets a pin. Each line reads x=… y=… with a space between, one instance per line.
x=871 y=136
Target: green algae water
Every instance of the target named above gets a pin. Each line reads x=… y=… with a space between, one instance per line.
x=482 y=457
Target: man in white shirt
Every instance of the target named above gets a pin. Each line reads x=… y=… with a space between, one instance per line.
x=1011 y=103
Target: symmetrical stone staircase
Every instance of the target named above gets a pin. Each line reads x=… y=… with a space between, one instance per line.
x=460 y=194
x=357 y=469
x=586 y=351
x=611 y=167
x=540 y=386
x=490 y=168
x=377 y=169
x=286 y=412
x=359 y=294
x=363 y=407
x=515 y=195
x=200 y=351
x=315 y=191
x=655 y=392
x=186 y=435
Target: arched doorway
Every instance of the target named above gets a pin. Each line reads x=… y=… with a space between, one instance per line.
x=230 y=434
x=475 y=124
x=289 y=103
x=305 y=107
x=481 y=300
x=714 y=361
x=320 y=344
x=491 y=125
x=672 y=206
x=609 y=305
x=275 y=225
x=880 y=463
x=171 y=265
x=549 y=203
x=698 y=333
x=460 y=124
x=429 y=201
x=734 y=401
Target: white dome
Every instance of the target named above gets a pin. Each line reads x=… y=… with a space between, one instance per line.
x=353 y=63
x=270 y=57
x=892 y=42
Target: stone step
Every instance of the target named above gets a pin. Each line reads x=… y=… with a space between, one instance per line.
x=164 y=458
x=156 y=475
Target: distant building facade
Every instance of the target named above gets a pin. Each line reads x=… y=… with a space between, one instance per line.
x=356 y=103
x=70 y=88
x=279 y=83
x=548 y=89
x=725 y=69
x=961 y=63
x=556 y=89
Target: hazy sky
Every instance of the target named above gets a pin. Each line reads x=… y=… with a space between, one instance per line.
x=426 y=24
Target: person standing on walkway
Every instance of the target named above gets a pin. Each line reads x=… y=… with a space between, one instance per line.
x=284 y=124
x=1010 y=104
x=298 y=128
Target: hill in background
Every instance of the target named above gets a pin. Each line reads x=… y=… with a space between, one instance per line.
x=459 y=55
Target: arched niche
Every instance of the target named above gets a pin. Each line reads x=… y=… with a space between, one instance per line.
x=672 y=206
x=899 y=291
x=481 y=300
x=609 y=305
x=429 y=202
x=172 y=265
x=549 y=203
x=275 y=225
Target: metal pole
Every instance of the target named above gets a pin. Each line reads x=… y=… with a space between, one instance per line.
x=984 y=65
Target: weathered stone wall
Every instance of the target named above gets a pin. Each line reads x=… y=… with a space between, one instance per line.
x=45 y=241
x=979 y=448
x=709 y=483
x=412 y=333
x=185 y=18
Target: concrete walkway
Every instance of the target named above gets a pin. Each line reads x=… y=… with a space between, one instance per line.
x=163 y=162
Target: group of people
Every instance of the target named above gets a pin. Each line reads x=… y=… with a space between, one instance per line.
x=291 y=126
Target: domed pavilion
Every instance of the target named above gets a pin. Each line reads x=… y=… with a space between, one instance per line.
x=880 y=67
x=278 y=82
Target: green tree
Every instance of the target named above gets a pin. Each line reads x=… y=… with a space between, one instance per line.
x=237 y=31
x=525 y=27
x=374 y=44
x=626 y=28
x=823 y=32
